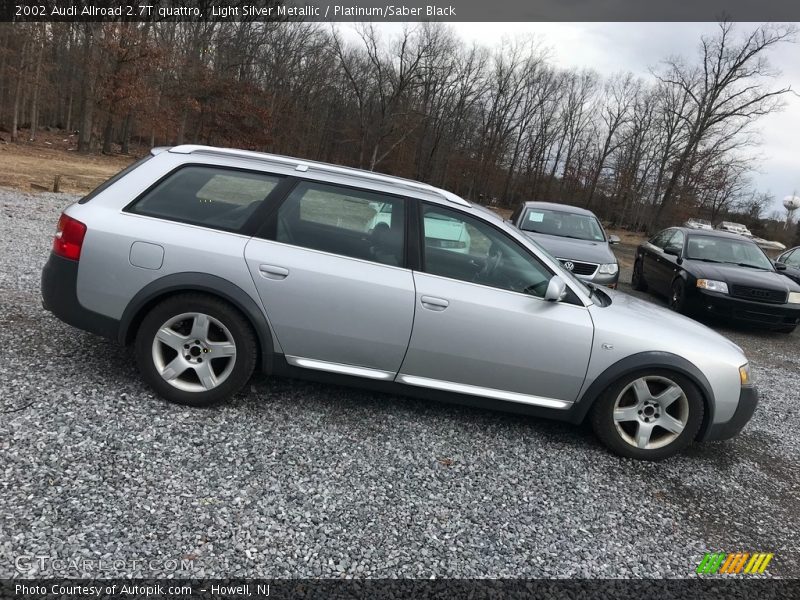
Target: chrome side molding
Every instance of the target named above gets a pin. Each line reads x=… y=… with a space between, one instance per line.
x=475 y=390
x=322 y=365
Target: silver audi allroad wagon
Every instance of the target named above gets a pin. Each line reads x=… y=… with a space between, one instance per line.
x=212 y=263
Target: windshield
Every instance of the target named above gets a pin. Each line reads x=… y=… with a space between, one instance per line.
x=564 y=224
x=723 y=250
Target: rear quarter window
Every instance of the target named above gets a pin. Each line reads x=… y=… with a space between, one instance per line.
x=209 y=196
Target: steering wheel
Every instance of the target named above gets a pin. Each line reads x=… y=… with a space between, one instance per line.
x=493 y=260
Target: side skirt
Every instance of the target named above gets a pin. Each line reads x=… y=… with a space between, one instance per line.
x=283 y=367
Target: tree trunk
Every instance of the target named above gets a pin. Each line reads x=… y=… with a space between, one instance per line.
x=127 y=127
x=108 y=133
x=85 y=120
x=18 y=92
x=37 y=85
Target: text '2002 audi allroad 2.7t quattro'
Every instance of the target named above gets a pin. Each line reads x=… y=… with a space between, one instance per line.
x=215 y=262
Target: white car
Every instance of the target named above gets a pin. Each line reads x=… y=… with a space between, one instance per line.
x=734 y=228
x=443 y=233
x=698 y=224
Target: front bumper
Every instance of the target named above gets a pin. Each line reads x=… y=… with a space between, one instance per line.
x=60 y=297
x=604 y=279
x=747 y=311
x=748 y=399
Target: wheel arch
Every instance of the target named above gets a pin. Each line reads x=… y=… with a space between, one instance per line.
x=641 y=362
x=171 y=285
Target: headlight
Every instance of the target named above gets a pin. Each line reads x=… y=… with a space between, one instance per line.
x=609 y=269
x=744 y=374
x=712 y=285
x=794 y=297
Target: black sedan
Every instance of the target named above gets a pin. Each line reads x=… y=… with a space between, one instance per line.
x=788 y=263
x=717 y=273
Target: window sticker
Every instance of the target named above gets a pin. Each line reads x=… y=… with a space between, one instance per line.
x=536 y=217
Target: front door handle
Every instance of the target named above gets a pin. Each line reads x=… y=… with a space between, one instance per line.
x=432 y=303
x=273 y=272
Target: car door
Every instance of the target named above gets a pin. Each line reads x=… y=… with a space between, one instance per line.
x=481 y=325
x=332 y=279
x=669 y=266
x=663 y=264
x=652 y=264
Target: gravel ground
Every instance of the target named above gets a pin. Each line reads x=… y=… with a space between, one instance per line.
x=294 y=479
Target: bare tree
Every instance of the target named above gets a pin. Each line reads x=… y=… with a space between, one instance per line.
x=727 y=88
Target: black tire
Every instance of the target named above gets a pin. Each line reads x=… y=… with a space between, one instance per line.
x=677 y=297
x=637 y=279
x=604 y=425
x=787 y=329
x=243 y=340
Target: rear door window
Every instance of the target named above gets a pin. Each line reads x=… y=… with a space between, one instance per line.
x=209 y=196
x=343 y=220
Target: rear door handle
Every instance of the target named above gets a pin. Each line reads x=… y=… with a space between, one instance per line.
x=273 y=272
x=432 y=303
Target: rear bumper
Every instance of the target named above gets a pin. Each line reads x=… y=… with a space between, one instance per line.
x=747 y=311
x=748 y=400
x=60 y=297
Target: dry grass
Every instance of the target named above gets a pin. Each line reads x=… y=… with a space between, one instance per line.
x=33 y=166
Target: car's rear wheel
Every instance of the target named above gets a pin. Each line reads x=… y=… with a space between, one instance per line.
x=649 y=415
x=637 y=279
x=195 y=349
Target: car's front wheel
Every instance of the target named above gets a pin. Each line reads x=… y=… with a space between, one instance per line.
x=195 y=349
x=637 y=279
x=677 y=296
x=649 y=415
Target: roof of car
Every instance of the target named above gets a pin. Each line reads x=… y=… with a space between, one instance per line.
x=713 y=233
x=303 y=166
x=560 y=207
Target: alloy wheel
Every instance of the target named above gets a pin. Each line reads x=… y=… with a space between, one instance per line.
x=651 y=412
x=194 y=352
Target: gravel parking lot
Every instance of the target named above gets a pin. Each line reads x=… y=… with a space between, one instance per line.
x=294 y=479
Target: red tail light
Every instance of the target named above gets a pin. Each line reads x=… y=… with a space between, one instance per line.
x=69 y=238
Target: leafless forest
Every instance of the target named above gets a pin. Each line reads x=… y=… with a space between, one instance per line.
x=496 y=124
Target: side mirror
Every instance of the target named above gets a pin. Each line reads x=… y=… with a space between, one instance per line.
x=556 y=289
x=673 y=250
x=613 y=239
x=779 y=266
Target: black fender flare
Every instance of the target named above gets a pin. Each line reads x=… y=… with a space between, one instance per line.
x=156 y=290
x=642 y=361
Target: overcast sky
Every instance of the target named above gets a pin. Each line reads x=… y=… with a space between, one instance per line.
x=637 y=47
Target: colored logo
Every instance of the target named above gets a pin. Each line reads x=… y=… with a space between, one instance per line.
x=734 y=563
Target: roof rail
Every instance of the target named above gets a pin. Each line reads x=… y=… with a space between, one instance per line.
x=304 y=165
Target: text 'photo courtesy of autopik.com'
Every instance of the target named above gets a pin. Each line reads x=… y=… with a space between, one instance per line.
x=416 y=299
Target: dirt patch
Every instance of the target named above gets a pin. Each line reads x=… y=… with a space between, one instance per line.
x=34 y=166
